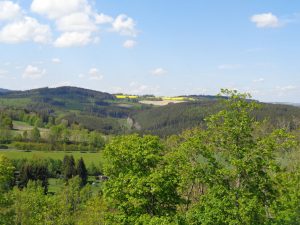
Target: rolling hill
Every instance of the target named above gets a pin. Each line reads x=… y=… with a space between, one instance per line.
x=104 y=112
x=2 y=90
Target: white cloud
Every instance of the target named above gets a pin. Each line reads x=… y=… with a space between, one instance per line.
x=158 y=71
x=76 y=22
x=103 y=19
x=56 y=60
x=129 y=44
x=229 y=66
x=73 y=39
x=9 y=10
x=27 y=29
x=265 y=20
x=3 y=73
x=137 y=88
x=33 y=72
x=74 y=18
x=259 y=80
x=286 y=88
x=54 y=9
x=95 y=74
x=124 y=25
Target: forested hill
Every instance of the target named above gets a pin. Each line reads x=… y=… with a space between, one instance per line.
x=60 y=92
x=111 y=114
x=2 y=90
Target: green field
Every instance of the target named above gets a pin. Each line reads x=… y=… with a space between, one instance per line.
x=56 y=185
x=88 y=158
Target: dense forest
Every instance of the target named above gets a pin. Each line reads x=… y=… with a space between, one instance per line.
x=215 y=160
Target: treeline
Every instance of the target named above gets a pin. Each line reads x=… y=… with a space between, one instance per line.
x=56 y=137
x=55 y=168
x=41 y=170
x=230 y=172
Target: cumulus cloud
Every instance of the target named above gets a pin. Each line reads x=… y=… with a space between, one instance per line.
x=27 y=29
x=265 y=20
x=9 y=10
x=71 y=39
x=129 y=44
x=103 y=19
x=95 y=74
x=76 y=22
x=158 y=71
x=55 y=9
x=56 y=60
x=125 y=25
x=33 y=72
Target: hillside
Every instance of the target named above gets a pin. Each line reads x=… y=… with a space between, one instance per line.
x=105 y=112
x=2 y=90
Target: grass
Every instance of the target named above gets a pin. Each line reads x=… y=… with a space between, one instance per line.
x=20 y=127
x=88 y=158
x=55 y=185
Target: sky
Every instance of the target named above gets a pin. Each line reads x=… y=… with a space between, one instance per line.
x=166 y=48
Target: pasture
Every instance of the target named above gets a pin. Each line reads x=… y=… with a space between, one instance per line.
x=88 y=157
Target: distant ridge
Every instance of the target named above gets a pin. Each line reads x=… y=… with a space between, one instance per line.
x=286 y=103
x=64 y=91
x=95 y=110
x=2 y=90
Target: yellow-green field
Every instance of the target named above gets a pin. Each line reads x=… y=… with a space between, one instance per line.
x=126 y=96
x=88 y=158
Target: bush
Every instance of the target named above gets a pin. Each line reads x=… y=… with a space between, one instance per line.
x=3 y=147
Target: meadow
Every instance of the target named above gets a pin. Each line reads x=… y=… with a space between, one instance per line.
x=88 y=157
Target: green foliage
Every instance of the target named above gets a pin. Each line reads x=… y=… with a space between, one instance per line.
x=140 y=181
x=36 y=171
x=35 y=134
x=232 y=169
x=81 y=171
x=287 y=207
x=5 y=136
x=5 y=121
x=93 y=212
x=6 y=173
x=30 y=204
x=6 y=181
x=68 y=167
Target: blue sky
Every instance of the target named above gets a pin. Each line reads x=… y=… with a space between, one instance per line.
x=153 y=47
